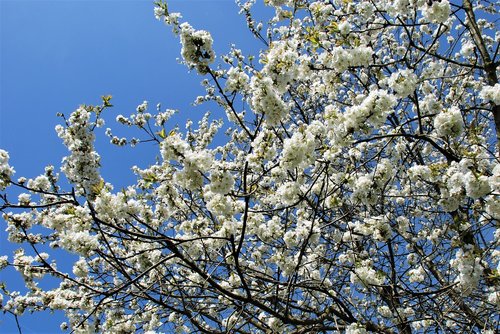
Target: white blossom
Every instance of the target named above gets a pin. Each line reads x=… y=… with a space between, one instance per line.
x=449 y=122
x=6 y=171
x=81 y=166
x=436 y=11
x=403 y=82
x=236 y=79
x=366 y=275
x=469 y=270
x=355 y=328
x=491 y=93
x=298 y=150
x=265 y=100
x=196 y=47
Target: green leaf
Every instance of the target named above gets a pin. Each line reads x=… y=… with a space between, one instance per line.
x=97 y=188
x=106 y=99
x=162 y=134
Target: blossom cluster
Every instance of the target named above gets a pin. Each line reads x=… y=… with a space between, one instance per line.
x=81 y=167
x=197 y=48
x=6 y=171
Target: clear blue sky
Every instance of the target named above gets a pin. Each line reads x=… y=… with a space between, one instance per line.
x=56 y=55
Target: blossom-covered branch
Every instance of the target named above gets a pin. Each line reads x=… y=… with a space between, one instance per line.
x=356 y=187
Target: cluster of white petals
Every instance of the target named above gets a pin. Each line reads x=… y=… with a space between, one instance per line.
x=6 y=171
x=491 y=93
x=298 y=151
x=372 y=110
x=81 y=167
x=355 y=328
x=197 y=48
x=266 y=100
x=365 y=275
x=436 y=11
x=236 y=79
x=403 y=82
x=469 y=270
x=449 y=122
x=340 y=59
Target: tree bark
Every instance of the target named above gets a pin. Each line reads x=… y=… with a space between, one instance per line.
x=489 y=66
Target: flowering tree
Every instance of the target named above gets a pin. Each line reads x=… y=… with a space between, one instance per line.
x=357 y=189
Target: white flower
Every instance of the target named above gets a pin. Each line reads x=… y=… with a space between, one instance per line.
x=221 y=181
x=142 y=107
x=281 y=63
x=373 y=109
x=236 y=79
x=355 y=328
x=172 y=147
x=263 y=148
x=403 y=82
x=265 y=100
x=449 y=122
x=219 y=204
x=363 y=190
x=419 y=172
x=344 y=27
x=366 y=275
x=467 y=48
x=377 y=227
x=81 y=167
x=200 y=159
x=494 y=298
x=196 y=48
x=494 y=180
x=80 y=268
x=159 y=12
x=79 y=242
x=5 y=170
x=437 y=12
x=288 y=193
x=398 y=7
x=476 y=186
x=384 y=311
x=341 y=59
x=469 y=270
x=24 y=198
x=417 y=274
x=491 y=93
x=430 y=104
x=298 y=150
x=277 y=3
x=4 y=261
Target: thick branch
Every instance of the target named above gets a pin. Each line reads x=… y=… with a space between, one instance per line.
x=489 y=66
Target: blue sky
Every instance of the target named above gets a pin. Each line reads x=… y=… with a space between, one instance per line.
x=56 y=55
